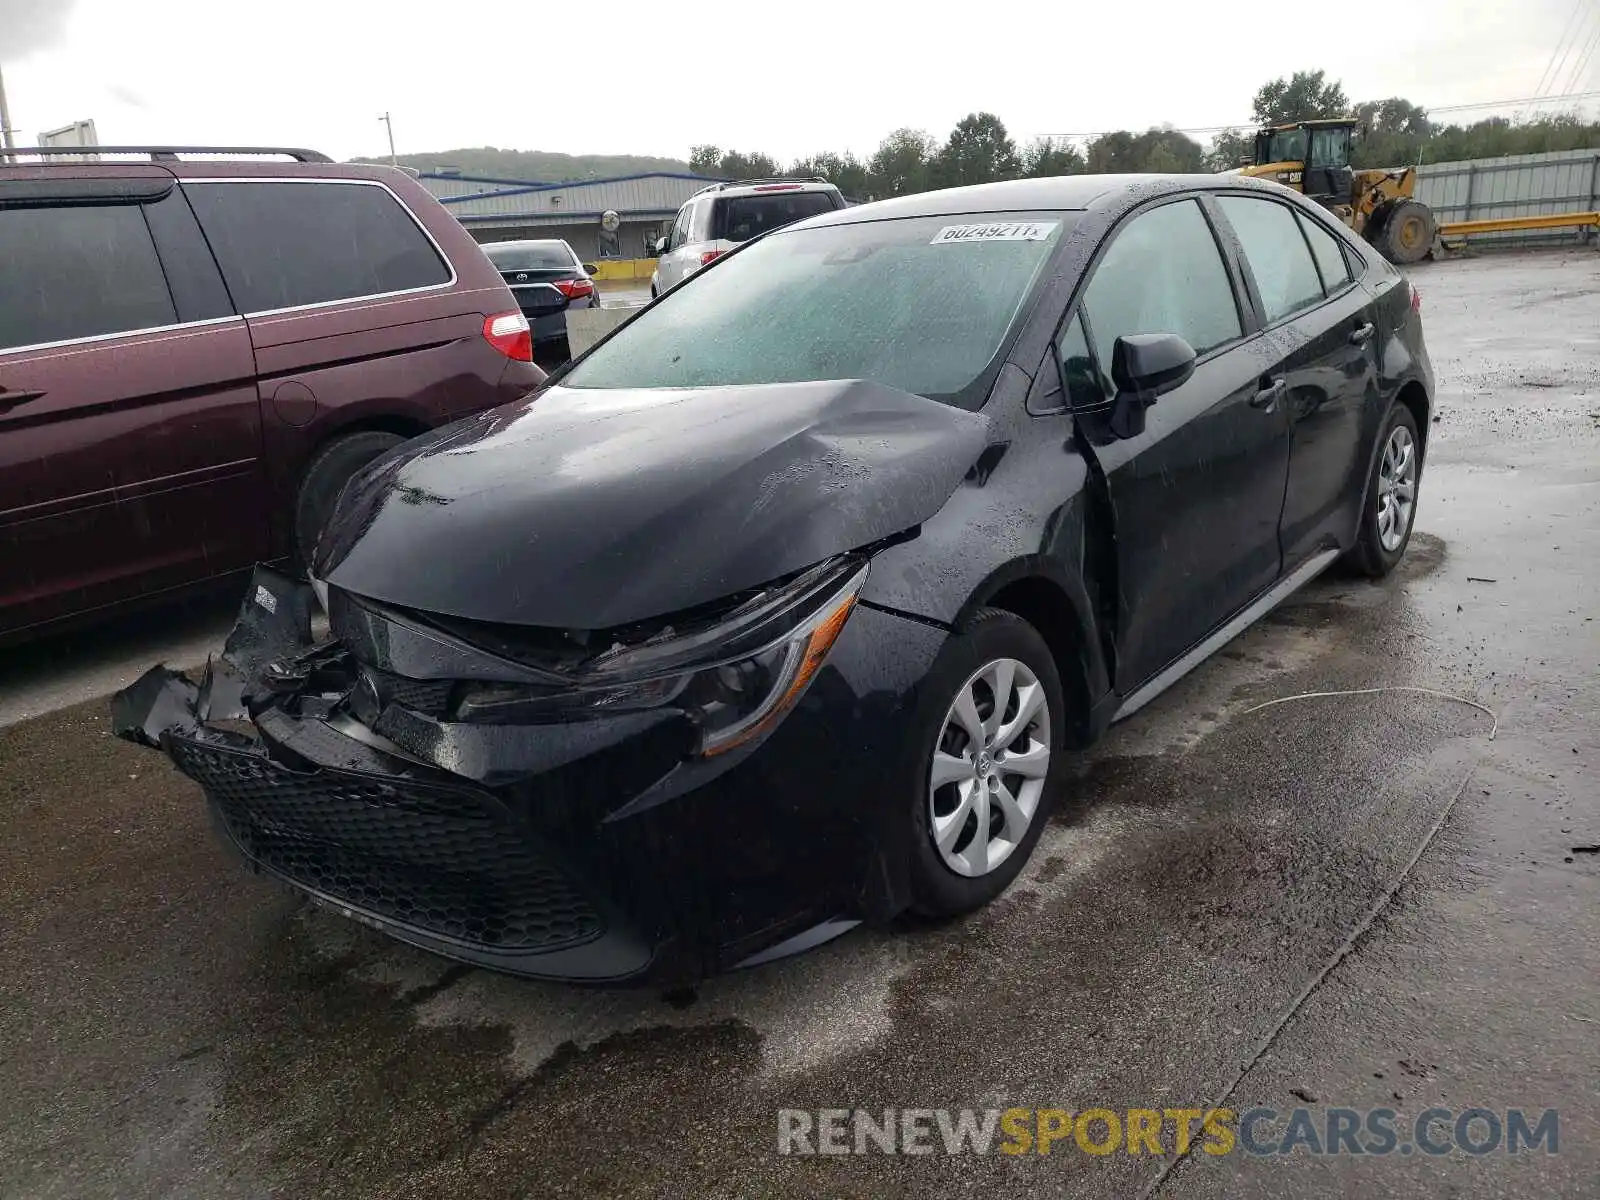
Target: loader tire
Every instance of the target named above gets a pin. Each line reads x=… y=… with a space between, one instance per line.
x=1407 y=233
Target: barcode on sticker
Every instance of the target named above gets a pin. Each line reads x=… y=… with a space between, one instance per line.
x=996 y=231
x=266 y=599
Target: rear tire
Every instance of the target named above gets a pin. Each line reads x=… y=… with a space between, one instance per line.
x=1407 y=233
x=1390 y=512
x=949 y=769
x=330 y=468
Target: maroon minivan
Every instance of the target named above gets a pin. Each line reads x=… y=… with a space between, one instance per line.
x=196 y=354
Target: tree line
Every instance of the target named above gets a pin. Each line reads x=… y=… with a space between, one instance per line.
x=1395 y=132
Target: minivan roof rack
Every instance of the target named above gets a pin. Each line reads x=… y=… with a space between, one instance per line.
x=158 y=153
x=732 y=183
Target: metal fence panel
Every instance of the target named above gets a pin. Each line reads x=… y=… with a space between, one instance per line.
x=1523 y=185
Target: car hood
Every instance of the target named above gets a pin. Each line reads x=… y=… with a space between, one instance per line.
x=591 y=509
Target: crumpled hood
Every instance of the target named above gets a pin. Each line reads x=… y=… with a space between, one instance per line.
x=585 y=509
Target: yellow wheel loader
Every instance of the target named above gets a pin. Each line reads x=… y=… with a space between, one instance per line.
x=1380 y=205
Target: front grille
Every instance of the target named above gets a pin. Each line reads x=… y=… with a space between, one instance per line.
x=437 y=858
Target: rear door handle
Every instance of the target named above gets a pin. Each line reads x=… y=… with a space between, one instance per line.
x=1360 y=334
x=10 y=399
x=1267 y=398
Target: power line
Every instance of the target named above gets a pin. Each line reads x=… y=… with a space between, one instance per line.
x=1580 y=36
x=1507 y=103
x=1547 y=77
x=1443 y=108
x=1582 y=64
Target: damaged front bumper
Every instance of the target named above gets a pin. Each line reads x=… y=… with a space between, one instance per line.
x=600 y=849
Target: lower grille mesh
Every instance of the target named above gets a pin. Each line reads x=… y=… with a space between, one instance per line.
x=436 y=858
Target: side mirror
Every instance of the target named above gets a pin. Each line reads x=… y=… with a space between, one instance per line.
x=1144 y=366
x=589 y=268
x=661 y=247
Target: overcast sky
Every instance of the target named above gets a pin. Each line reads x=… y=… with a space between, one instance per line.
x=629 y=77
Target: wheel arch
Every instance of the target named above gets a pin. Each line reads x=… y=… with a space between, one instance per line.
x=1059 y=610
x=1412 y=396
x=1415 y=397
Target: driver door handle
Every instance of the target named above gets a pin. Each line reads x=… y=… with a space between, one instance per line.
x=1267 y=398
x=1360 y=334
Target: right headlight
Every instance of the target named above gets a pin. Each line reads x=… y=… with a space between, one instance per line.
x=734 y=678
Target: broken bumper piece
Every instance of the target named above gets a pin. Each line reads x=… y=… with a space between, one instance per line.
x=357 y=825
x=601 y=849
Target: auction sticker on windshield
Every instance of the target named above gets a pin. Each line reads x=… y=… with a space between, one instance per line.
x=996 y=231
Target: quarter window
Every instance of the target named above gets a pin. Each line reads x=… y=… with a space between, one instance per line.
x=1277 y=252
x=283 y=245
x=1085 y=388
x=1163 y=274
x=79 y=272
x=1331 y=262
x=680 y=228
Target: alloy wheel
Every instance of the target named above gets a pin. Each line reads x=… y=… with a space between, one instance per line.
x=989 y=767
x=1397 y=488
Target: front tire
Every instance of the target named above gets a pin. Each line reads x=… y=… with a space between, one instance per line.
x=1407 y=233
x=991 y=724
x=1393 y=489
x=330 y=468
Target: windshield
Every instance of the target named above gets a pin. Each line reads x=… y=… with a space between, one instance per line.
x=531 y=256
x=1330 y=148
x=922 y=305
x=1288 y=145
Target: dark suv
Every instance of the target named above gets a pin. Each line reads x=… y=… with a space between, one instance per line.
x=197 y=354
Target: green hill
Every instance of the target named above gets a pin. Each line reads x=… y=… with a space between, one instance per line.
x=539 y=166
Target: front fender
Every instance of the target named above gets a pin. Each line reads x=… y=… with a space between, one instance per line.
x=1026 y=522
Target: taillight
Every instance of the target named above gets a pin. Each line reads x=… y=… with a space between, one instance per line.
x=710 y=256
x=1416 y=297
x=573 y=288
x=510 y=334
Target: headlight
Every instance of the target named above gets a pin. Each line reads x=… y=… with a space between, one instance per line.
x=746 y=670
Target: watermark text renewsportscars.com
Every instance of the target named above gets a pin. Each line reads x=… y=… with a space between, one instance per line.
x=1260 y=1132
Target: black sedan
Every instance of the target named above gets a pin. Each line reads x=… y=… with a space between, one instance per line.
x=782 y=608
x=547 y=280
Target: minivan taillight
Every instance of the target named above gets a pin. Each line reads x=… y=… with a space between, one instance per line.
x=573 y=288
x=510 y=334
x=710 y=256
x=1416 y=297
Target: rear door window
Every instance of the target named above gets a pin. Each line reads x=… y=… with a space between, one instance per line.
x=1325 y=248
x=1286 y=276
x=740 y=218
x=290 y=244
x=79 y=272
x=1163 y=274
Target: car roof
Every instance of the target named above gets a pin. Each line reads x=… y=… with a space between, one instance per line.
x=221 y=165
x=1055 y=192
x=762 y=187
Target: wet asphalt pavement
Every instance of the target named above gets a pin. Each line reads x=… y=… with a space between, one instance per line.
x=1358 y=901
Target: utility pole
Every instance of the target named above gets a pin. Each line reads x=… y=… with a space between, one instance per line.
x=5 y=123
x=388 y=124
